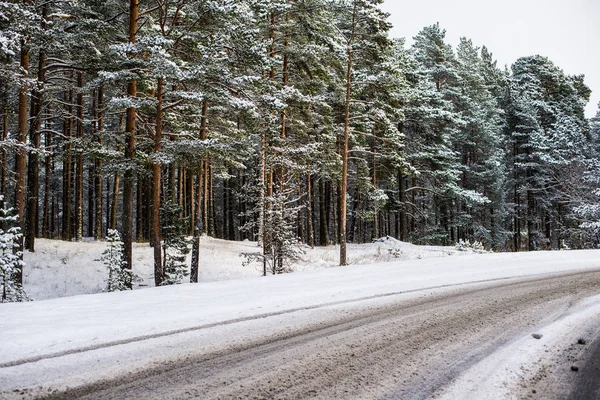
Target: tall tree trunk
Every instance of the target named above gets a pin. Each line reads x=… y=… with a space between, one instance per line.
x=37 y=105
x=21 y=156
x=3 y=153
x=226 y=210
x=376 y=222
x=172 y=187
x=201 y=210
x=191 y=201
x=79 y=162
x=309 y=211
x=98 y=232
x=67 y=167
x=323 y=212
x=195 y=261
x=47 y=216
x=129 y=178
x=156 y=178
x=344 y=181
x=53 y=216
x=403 y=223
x=232 y=211
x=115 y=201
x=180 y=189
x=530 y=216
x=211 y=201
x=139 y=205
x=263 y=206
x=554 y=231
x=91 y=199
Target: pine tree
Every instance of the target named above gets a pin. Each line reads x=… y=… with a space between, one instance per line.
x=549 y=135
x=175 y=245
x=431 y=126
x=119 y=276
x=11 y=258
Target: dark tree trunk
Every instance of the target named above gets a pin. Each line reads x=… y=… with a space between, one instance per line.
x=129 y=178
x=98 y=232
x=403 y=225
x=232 y=211
x=91 y=198
x=191 y=201
x=197 y=222
x=67 y=168
x=139 y=212
x=156 y=186
x=21 y=156
x=345 y=143
x=323 y=229
x=79 y=162
x=309 y=212
x=530 y=216
x=115 y=201
x=33 y=188
x=211 y=202
x=201 y=209
x=3 y=153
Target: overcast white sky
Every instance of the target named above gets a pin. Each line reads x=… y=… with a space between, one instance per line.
x=566 y=31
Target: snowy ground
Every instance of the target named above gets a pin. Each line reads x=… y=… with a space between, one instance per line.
x=71 y=341
x=59 y=269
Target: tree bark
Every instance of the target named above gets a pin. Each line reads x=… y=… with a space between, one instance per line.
x=309 y=212
x=98 y=232
x=139 y=205
x=3 y=154
x=67 y=167
x=79 y=162
x=403 y=223
x=115 y=201
x=195 y=261
x=344 y=181
x=201 y=210
x=323 y=211
x=33 y=188
x=129 y=178
x=21 y=156
x=156 y=178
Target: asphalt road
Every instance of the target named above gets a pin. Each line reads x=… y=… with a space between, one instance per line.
x=400 y=349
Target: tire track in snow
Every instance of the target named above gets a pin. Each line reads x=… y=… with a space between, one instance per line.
x=244 y=319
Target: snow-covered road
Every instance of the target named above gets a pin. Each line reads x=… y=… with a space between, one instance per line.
x=308 y=334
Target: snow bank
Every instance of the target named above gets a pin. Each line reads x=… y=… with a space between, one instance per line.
x=60 y=269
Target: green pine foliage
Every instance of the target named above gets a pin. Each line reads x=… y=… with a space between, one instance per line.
x=247 y=131
x=175 y=244
x=119 y=276
x=11 y=258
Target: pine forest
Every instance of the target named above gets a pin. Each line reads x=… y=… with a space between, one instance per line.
x=290 y=123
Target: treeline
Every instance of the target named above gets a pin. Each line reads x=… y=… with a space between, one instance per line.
x=286 y=122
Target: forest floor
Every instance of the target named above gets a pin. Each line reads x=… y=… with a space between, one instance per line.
x=452 y=327
x=59 y=268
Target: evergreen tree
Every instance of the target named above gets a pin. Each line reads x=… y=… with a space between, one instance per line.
x=549 y=135
x=432 y=124
x=119 y=277
x=11 y=258
x=175 y=245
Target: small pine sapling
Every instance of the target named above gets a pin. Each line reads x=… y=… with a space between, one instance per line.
x=11 y=258
x=119 y=277
x=176 y=246
x=280 y=245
